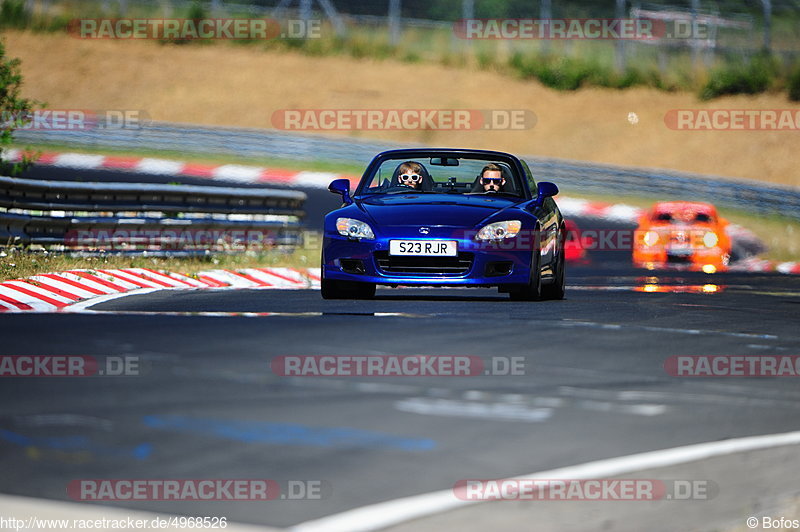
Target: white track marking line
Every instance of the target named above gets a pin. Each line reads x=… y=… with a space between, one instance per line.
x=473 y=409
x=389 y=513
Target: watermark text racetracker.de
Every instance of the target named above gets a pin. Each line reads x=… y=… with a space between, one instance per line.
x=396 y=366
x=558 y=29
x=606 y=489
x=69 y=366
x=733 y=119
x=733 y=366
x=76 y=119
x=403 y=119
x=194 y=29
x=198 y=490
x=181 y=238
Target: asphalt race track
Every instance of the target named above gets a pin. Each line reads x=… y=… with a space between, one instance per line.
x=207 y=404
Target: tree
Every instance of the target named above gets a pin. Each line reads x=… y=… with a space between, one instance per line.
x=15 y=111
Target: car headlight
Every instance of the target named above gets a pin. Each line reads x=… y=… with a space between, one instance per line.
x=651 y=238
x=354 y=228
x=710 y=239
x=499 y=230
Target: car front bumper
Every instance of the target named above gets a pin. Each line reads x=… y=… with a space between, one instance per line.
x=696 y=259
x=368 y=261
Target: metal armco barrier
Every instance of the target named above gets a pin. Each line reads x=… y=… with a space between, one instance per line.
x=577 y=175
x=129 y=216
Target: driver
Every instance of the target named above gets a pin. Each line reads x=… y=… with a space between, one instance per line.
x=492 y=178
x=409 y=174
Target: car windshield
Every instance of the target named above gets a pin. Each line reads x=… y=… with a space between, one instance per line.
x=444 y=175
x=683 y=217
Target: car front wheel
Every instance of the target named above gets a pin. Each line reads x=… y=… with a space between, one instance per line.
x=533 y=290
x=557 y=288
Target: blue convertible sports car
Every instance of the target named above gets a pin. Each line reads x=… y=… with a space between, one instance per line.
x=445 y=217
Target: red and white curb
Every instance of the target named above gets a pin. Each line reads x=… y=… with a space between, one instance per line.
x=615 y=212
x=570 y=207
x=755 y=264
x=52 y=292
x=235 y=173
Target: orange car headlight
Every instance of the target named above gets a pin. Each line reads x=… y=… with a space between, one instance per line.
x=651 y=238
x=710 y=239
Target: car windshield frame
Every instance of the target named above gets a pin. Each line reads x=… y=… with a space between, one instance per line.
x=524 y=179
x=675 y=217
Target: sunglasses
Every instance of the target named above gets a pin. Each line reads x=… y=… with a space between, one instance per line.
x=411 y=177
x=492 y=180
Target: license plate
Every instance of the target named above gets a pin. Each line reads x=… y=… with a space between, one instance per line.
x=424 y=248
x=679 y=251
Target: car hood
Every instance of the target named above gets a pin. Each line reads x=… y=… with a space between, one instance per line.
x=434 y=209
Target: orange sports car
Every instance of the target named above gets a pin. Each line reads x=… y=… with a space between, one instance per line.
x=682 y=233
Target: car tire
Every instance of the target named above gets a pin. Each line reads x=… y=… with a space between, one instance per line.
x=346 y=290
x=364 y=291
x=533 y=290
x=556 y=289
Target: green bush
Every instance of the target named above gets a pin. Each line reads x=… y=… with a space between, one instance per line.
x=13 y=109
x=412 y=57
x=755 y=77
x=793 y=85
x=486 y=59
x=195 y=12
x=13 y=14
x=562 y=73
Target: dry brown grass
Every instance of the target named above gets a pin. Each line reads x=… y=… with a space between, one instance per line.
x=231 y=85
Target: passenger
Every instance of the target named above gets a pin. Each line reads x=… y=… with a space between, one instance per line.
x=492 y=178
x=409 y=174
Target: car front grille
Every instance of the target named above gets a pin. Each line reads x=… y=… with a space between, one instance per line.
x=427 y=266
x=679 y=259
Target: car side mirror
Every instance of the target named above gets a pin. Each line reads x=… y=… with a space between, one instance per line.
x=545 y=189
x=341 y=187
